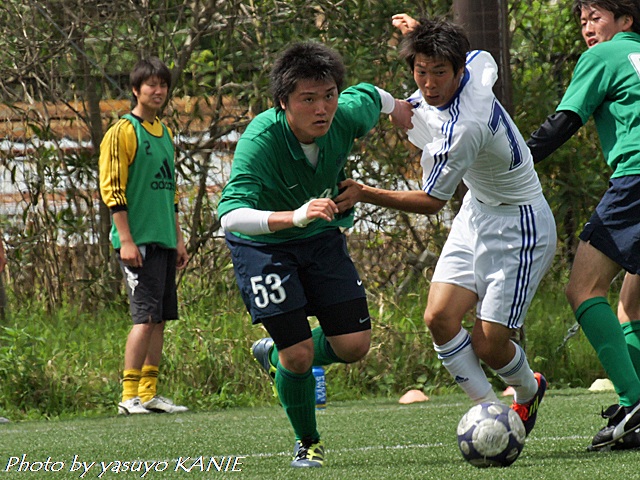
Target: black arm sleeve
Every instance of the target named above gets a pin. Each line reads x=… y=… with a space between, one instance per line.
x=553 y=133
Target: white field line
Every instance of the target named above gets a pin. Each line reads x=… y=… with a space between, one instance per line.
x=409 y=446
x=350 y=450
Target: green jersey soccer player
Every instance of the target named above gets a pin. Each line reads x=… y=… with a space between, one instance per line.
x=606 y=85
x=283 y=228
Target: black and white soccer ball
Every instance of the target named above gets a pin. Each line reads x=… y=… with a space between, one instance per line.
x=491 y=435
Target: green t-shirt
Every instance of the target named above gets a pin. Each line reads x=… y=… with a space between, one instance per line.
x=271 y=172
x=606 y=84
x=150 y=191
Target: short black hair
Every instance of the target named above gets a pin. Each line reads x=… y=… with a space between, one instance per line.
x=304 y=61
x=436 y=38
x=619 y=8
x=145 y=69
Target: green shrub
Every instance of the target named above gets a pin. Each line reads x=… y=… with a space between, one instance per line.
x=69 y=362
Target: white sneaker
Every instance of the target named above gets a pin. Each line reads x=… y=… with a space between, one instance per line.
x=163 y=405
x=131 y=407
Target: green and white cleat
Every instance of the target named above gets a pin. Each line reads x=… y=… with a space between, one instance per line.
x=308 y=454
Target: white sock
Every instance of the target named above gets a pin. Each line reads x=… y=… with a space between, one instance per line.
x=519 y=375
x=461 y=362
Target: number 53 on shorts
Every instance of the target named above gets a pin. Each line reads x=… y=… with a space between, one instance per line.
x=267 y=289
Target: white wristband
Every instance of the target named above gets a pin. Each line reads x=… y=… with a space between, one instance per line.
x=300 y=218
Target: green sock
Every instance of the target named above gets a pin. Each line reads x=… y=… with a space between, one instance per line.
x=631 y=332
x=323 y=353
x=603 y=331
x=297 y=395
x=273 y=356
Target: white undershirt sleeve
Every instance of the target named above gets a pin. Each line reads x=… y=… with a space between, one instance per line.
x=247 y=221
x=388 y=102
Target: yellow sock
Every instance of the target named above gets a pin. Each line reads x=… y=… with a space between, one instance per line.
x=148 y=383
x=130 y=381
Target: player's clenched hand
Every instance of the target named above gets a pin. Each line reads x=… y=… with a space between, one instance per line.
x=401 y=115
x=323 y=208
x=130 y=254
x=350 y=192
x=183 y=257
x=403 y=22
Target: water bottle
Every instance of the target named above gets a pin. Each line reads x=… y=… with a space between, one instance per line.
x=321 y=388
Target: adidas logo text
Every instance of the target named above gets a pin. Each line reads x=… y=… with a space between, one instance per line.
x=165 y=178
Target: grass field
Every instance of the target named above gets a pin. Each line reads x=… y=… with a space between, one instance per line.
x=368 y=439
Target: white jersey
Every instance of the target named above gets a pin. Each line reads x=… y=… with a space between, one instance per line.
x=474 y=139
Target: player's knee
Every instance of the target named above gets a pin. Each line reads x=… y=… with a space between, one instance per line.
x=356 y=352
x=351 y=347
x=573 y=295
x=493 y=345
x=142 y=329
x=435 y=321
x=297 y=358
x=482 y=349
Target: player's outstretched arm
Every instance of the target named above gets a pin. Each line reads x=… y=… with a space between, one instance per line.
x=250 y=221
x=412 y=201
x=553 y=133
x=318 y=208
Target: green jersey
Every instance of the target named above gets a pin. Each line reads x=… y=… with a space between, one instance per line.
x=606 y=84
x=270 y=172
x=137 y=173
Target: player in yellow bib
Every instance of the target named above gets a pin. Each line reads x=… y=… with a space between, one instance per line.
x=137 y=183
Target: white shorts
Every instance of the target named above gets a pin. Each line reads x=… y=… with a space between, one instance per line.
x=501 y=254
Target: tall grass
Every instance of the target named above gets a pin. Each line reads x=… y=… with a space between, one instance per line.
x=69 y=362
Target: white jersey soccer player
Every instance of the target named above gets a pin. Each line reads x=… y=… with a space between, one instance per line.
x=474 y=139
x=503 y=239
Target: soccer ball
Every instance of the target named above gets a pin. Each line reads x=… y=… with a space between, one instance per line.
x=491 y=435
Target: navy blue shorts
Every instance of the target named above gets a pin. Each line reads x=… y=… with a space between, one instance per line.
x=614 y=228
x=310 y=274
